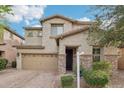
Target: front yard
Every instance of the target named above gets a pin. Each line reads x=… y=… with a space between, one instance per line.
x=12 y=78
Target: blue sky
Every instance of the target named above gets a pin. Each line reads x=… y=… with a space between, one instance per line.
x=30 y=15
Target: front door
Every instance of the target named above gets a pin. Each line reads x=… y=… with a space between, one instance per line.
x=69 y=59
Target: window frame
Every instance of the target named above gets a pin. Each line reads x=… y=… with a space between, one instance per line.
x=39 y=34
x=55 y=24
x=96 y=51
x=30 y=33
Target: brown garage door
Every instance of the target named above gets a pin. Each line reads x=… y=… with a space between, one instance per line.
x=39 y=62
x=121 y=60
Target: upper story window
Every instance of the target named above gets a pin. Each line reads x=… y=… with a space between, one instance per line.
x=40 y=34
x=30 y=34
x=57 y=29
x=34 y=34
x=96 y=54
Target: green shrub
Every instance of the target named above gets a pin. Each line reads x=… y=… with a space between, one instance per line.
x=96 y=78
x=67 y=81
x=3 y=63
x=6 y=62
x=81 y=70
x=102 y=65
x=14 y=64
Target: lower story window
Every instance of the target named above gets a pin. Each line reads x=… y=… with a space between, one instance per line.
x=96 y=54
x=96 y=58
x=1 y=53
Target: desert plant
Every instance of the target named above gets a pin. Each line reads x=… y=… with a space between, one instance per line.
x=14 y=64
x=96 y=78
x=3 y=63
x=103 y=65
x=67 y=81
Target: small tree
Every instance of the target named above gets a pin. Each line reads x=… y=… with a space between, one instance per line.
x=4 y=9
x=112 y=27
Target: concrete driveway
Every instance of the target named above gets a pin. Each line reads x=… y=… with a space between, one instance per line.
x=12 y=78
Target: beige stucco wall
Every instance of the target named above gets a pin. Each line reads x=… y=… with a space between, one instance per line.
x=67 y=24
x=79 y=39
x=50 y=43
x=111 y=51
x=15 y=40
x=34 y=51
x=35 y=40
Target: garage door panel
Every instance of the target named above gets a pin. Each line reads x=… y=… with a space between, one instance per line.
x=39 y=62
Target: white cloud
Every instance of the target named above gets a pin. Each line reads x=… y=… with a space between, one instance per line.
x=27 y=22
x=27 y=13
x=14 y=18
x=37 y=25
x=84 y=19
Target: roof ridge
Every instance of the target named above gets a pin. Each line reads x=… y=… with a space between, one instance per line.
x=66 y=18
x=72 y=32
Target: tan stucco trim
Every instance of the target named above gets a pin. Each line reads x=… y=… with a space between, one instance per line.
x=72 y=46
x=29 y=47
x=111 y=55
x=41 y=53
x=33 y=28
x=62 y=54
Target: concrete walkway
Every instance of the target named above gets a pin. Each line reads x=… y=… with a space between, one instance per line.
x=117 y=80
x=12 y=78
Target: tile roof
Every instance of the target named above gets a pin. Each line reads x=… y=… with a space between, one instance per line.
x=14 y=32
x=72 y=32
x=66 y=18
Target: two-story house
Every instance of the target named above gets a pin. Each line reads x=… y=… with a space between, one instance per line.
x=53 y=46
x=9 y=38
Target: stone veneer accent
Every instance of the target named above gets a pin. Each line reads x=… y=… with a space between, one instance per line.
x=86 y=61
x=62 y=63
x=114 y=60
x=74 y=62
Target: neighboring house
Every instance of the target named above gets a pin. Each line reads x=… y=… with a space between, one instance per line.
x=10 y=39
x=53 y=46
